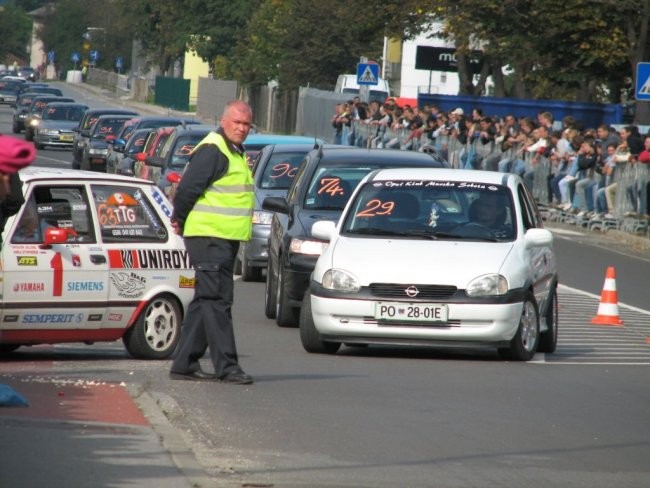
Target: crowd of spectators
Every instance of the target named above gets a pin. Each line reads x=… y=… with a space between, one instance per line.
x=582 y=165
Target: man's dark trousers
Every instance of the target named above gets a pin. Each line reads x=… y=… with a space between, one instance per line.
x=208 y=321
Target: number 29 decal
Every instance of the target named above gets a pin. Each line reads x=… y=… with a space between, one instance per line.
x=376 y=207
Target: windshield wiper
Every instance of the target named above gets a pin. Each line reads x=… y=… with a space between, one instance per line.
x=376 y=231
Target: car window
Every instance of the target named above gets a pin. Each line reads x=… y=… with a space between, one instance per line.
x=136 y=142
x=331 y=187
x=444 y=209
x=529 y=212
x=65 y=207
x=280 y=170
x=106 y=127
x=127 y=215
x=177 y=151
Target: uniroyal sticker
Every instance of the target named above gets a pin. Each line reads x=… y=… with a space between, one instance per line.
x=149 y=259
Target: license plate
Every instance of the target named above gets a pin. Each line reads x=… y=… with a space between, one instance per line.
x=66 y=138
x=411 y=312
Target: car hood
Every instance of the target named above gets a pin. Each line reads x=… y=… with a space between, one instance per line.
x=58 y=124
x=417 y=261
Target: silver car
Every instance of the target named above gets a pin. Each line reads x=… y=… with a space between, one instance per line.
x=57 y=123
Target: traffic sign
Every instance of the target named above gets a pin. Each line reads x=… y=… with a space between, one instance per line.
x=368 y=74
x=51 y=56
x=643 y=81
x=94 y=56
x=119 y=62
x=75 y=58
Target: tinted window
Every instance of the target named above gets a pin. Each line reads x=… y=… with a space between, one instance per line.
x=447 y=209
x=106 y=127
x=126 y=215
x=65 y=207
x=280 y=170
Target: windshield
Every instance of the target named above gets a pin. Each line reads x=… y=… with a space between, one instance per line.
x=181 y=149
x=106 y=127
x=331 y=187
x=432 y=209
x=280 y=170
x=72 y=114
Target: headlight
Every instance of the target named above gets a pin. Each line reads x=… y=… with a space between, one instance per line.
x=307 y=246
x=22 y=116
x=487 y=285
x=49 y=132
x=101 y=152
x=339 y=280
x=34 y=122
x=262 y=217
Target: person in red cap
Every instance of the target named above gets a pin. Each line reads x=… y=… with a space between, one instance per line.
x=15 y=154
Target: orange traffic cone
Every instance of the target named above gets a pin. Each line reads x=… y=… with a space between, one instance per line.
x=608 y=308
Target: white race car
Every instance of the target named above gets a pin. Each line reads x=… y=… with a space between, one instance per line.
x=92 y=257
x=435 y=257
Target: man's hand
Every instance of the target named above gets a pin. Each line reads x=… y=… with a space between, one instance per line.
x=177 y=227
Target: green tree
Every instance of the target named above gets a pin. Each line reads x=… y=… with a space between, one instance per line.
x=16 y=28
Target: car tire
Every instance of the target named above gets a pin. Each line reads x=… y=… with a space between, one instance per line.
x=157 y=330
x=548 y=339
x=269 y=294
x=523 y=345
x=309 y=336
x=8 y=348
x=285 y=314
x=248 y=272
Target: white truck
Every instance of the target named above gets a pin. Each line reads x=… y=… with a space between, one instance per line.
x=348 y=84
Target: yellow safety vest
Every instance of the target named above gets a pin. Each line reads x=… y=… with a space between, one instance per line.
x=225 y=209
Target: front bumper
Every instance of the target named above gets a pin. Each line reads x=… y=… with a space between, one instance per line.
x=61 y=140
x=469 y=324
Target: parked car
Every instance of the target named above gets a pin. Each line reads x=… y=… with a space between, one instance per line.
x=256 y=141
x=57 y=122
x=9 y=91
x=121 y=159
x=151 y=122
x=82 y=132
x=174 y=154
x=40 y=88
x=28 y=73
x=274 y=169
x=21 y=108
x=435 y=257
x=33 y=117
x=319 y=191
x=92 y=258
x=95 y=151
x=152 y=147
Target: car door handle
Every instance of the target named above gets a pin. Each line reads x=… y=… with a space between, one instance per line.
x=97 y=258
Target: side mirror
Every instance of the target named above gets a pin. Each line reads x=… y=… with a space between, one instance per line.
x=56 y=235
x=538 y=238
x=174 y=177
x=276 y=204
x=154 y=161
x=140 y=157
x=324 y=229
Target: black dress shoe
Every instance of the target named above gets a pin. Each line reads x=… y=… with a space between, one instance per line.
x=237 y=378
x=194 y=376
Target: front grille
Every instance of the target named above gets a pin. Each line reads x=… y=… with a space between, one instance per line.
x=399 y=291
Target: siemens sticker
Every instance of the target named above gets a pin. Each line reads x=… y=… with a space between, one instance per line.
x=85 y=286
x=52 y=318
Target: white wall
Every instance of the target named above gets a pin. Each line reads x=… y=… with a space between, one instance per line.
x=416 y=80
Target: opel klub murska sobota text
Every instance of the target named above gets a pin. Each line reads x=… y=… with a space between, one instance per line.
x=93 y=257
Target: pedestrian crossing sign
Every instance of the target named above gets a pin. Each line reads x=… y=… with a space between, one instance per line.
x=368 y=74
x=643 y=81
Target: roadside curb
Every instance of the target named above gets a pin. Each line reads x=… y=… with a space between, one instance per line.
x=170 y=438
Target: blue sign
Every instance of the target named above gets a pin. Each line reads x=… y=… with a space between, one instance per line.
x=94 y=56
x=75 y=58
x=643 y=81
x=118 y=62
x=51 y=56
x=367 y=73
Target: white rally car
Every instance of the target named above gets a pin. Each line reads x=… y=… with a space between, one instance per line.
x=92 y=257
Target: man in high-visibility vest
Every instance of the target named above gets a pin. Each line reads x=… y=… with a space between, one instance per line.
x=213 y=210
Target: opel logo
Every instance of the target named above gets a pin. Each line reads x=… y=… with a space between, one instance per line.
x=412 y=291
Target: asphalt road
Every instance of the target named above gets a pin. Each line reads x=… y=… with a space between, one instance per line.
x=413 y=417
